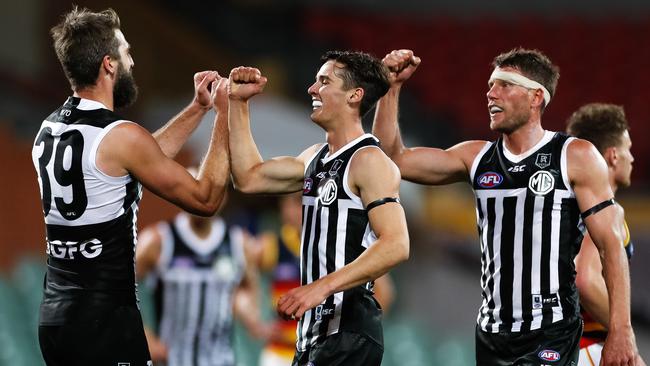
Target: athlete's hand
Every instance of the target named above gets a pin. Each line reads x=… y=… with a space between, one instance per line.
x=297 y=301
x=245 y=82
x=401 y=65
x=620 y=349
x=202 y=94
x=219 y=94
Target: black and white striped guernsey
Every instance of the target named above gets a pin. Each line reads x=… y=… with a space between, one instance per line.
x=530 y=231
x=90 y=217
x=195 y=283
x=335 y=231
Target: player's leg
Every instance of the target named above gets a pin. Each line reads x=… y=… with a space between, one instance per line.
x=590 y=356
x=270 y=357
x=115 y=337
x=557 y=345
x=346 y=348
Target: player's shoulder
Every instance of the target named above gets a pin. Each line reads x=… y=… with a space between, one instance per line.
x=582 y=151
x=471 y=147
x=128 y=133
x=372 y=160
x=469 y=150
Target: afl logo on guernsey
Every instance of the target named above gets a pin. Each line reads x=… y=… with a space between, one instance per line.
x=541 y=182
x=327 y=192
x=549 y=355
x=489 y=180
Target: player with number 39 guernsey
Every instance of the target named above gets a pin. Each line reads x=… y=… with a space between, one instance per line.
x=91 y=164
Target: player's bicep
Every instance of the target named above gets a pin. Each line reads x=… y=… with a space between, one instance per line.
x=590 y=181
x=378 y=179
x=588 y=174
x=139 y=153
x=435 y=166
x=278 y=175
x=283 y=174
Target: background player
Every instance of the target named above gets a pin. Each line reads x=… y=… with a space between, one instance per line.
x=605 y=126
x=202 y=271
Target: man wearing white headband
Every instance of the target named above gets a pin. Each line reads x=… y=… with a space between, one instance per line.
x=536 y=190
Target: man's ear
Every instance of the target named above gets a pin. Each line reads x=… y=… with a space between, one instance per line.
x=611 y=156
x=356 y=95
x=538 y=98
x=109 y=65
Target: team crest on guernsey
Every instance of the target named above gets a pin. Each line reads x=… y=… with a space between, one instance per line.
x=543 y=160
x=335 y=167
x=306 y=187
x=327 y=192
x=489 y=180
x=541 y=183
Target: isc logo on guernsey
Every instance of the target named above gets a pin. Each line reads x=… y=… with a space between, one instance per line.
x=489 y=180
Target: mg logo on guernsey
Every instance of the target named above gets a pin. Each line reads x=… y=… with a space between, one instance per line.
x=489 y=180
x=327 y=192
x=541 y=182
x=549 y=355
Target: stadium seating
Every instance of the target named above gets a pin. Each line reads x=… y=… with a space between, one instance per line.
x=600 y=61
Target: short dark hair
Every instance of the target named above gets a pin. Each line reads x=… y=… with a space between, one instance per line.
x=363 y=71
x=533 y=64
x=81 y=40
x=601 y=124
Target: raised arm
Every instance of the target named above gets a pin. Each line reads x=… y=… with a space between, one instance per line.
x=588 y=175
x=251 y=174
x=375 y=177
x=420 y=165
x=130 y=149
x=173 y=135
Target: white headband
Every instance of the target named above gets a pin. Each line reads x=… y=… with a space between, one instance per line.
x=521 y=80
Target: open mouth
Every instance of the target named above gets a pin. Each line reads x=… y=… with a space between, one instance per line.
x=494 y=109
x=315 y=104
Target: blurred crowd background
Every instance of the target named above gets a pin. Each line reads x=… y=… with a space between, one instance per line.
x=601 y=47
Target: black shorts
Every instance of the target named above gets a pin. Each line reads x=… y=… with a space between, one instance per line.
x=344 y=349
x=556 y=345
x=116 y=339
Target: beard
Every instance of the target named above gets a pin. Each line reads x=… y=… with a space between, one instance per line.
x=125 y=92
x=513 y=123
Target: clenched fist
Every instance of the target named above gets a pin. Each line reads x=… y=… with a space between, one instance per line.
x=245 y=82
